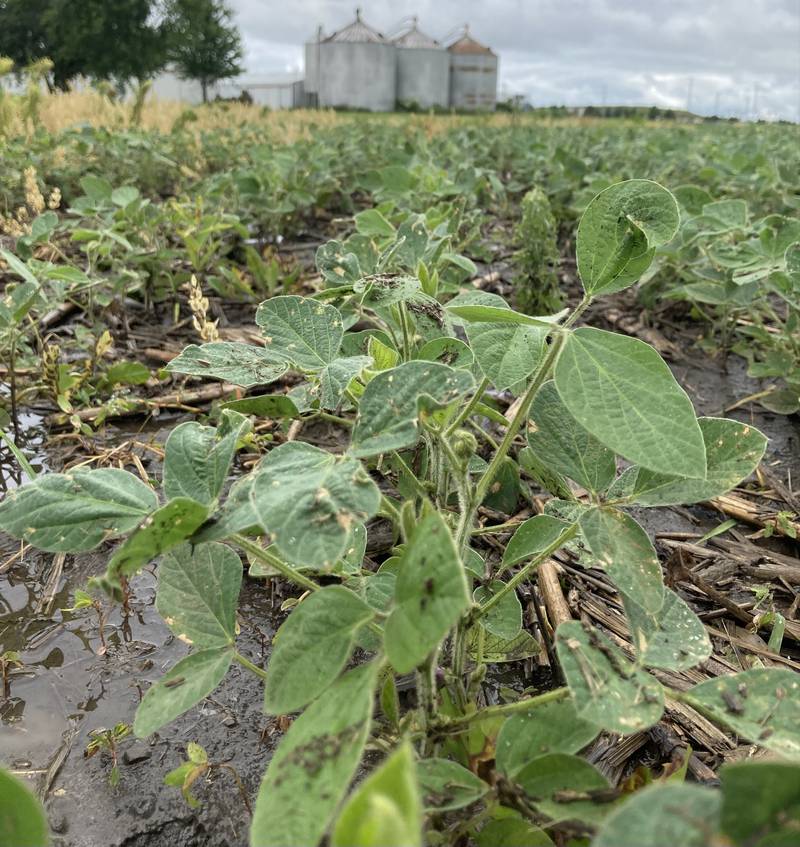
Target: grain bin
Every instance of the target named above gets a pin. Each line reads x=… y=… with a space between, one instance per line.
x=311 y=82
x=358 y=69
x=423 y=69
x=473 y=74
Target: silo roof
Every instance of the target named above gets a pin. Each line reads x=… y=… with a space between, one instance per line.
x=467 y=44
x=358 y=31
x=416 y=38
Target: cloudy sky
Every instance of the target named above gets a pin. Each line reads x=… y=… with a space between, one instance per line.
x=730 y=57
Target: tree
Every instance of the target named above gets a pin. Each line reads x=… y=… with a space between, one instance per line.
x=204 y=42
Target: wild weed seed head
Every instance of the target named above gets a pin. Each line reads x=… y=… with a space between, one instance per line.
x=33 y=195
x=199 y=304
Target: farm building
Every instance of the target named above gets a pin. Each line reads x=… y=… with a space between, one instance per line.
x=360 y=68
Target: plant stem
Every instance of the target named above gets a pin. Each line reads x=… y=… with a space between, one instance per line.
x=503 y=709
x=391 y=512
x=562 y=539
x=258 y=552
x=413 y=478
x=468 y=409
x=246 y=663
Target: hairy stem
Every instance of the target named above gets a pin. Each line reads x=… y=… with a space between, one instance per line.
x=246 y=663
x=258 y=552
x=502 y=709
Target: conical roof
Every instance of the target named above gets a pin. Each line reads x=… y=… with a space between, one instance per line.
x=414 y=37
x=467 y=44
x=358 y=32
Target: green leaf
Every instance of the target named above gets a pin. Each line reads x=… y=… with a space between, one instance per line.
x=127 y=373
x=550 y=728
x=390 y=408
x=240 y=364
x=762 y=705
x=505 y=619
x=197 y=458
x=507 y=354
x=163 y=529
x=308 y=500
x=673 y=638
x=733 y=452
x=606 y=688
x=264 y=406
x=624 y=550
x=511 y=830
x=312 y=647
x=496 y=649
x=478 y=313
x=430 y=594
x=565 y=446
x=447 y=351
x=198 y=588
x=661 y=814
x=447 y=786
x=22 y=820
x=619 y=231
x=544 y=779
x=372 y=223
x=310 y=771
x=385 y=809
x=336 y=376
x=531 y=538
x=20 y=268
x=301 y=331
x=189 y=681
x=725 y=215
x=337 y=264
x=761 y=799
x=77 y=510
x=624 y=394
x=236 y=515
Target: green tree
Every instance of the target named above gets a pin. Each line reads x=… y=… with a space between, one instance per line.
x=204 y=42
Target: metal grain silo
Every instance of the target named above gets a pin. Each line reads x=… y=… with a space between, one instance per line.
x=358 y=69
x=311 y=81
x=423 y=69
x=473 y=74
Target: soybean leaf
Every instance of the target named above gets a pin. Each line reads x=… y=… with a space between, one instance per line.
x=337 y=264
x=22 y=821
x=430 y=594
x=606 y=688
x=511 y=830
x=762 y=705
x=390 y=408
x=312 y=647
x=197 y=458
x=75 y=511
x=447 y=351
x=761 y=799
x=447 y=786
x=565 y=446
x=198 y=587
x=664 y=813
x=372 y=223
x=241 y=364
x=310 y=771
x=479 y=313
x=236 y=515
x=503 y=493
x=336 y=376
x=673 y=638
x=733 y=451
x=308 y=500
x=264 y=406
x=531 y=538
x=619 y=231
x=624 y=394
x=544 y=779
x=385 y=809
x=301 y=331
x=496 y=649
x=189 y=681
x=504 y=619
x=624 y=550
x=551 y=728
x=507 y=354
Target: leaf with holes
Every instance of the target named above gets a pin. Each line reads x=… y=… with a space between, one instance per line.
x=308 y=500
x=619 y=232
x=301 y=331
x=496 y=649
x=311 y=770
x=390 y=408
x=606 y=688
x=312 y=647
x=565 y=446
x=624 y=394
x=188 y=682
x=197 y=458
x=198 y=588
x=762 y=705
x=624 y=550
x=672 y=638
x=550 y=728
x=77 y=510
x=430 y=594
x=240 y=364
x=336 y=376
x=447 y=786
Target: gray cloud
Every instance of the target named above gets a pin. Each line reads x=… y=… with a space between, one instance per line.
x=738 y=57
